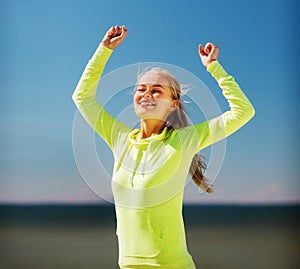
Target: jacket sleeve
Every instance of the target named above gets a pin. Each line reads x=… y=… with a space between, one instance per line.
x=240 y=112
x=84 y=95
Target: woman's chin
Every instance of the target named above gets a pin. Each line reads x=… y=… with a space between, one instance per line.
x=143 y=112
x=143 y=115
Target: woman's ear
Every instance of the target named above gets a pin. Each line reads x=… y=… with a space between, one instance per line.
x=174 y=106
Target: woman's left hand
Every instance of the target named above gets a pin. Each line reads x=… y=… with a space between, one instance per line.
x=208 y=54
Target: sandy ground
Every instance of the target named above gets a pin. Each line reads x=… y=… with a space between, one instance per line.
x=217 y=246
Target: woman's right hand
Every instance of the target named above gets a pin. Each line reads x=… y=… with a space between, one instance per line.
x=114 y=37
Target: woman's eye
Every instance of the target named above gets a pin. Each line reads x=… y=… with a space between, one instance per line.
x=140 y=89
x=156 y=90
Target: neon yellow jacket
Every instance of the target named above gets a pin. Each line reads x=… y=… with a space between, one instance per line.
x=149 y=174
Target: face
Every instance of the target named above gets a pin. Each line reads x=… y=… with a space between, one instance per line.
x=153 y=97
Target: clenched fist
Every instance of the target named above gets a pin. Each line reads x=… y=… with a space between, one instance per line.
x=114 y=36
x=208 y=54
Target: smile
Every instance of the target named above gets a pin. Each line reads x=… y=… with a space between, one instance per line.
x=146 y=103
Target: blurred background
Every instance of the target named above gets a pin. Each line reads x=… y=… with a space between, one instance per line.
x=50 y=218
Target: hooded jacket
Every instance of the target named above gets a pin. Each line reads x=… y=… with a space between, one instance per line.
x=149 y=175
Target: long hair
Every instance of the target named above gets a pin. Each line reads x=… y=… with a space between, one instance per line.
x=178 y=119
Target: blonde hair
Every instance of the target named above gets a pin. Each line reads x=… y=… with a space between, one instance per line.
x=178 y=119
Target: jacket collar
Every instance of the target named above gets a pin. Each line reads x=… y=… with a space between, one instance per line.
x=135 y=137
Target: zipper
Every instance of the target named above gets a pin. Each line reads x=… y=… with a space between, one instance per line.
x=146 y=156
x=144 y=164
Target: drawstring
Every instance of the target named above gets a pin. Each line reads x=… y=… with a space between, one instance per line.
x=131 y=180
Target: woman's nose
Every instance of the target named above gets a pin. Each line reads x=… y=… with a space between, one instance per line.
x=147 y=93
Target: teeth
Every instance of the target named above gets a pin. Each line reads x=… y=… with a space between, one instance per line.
x=146 y=102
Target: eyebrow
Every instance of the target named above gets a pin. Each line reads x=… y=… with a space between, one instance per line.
x=155 y=85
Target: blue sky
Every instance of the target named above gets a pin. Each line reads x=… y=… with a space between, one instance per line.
x=46 y=44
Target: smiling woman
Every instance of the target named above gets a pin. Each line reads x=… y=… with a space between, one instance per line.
x=158 y=93
x=152 y=162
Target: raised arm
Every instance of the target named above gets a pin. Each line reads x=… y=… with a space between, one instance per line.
x=84 y=95
x=240 y=109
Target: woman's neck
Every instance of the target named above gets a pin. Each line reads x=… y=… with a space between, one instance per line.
x=151 y=127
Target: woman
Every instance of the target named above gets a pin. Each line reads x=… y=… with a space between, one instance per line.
x=152 y=162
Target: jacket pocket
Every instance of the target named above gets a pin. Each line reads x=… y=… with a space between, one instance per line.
x=136 y=235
